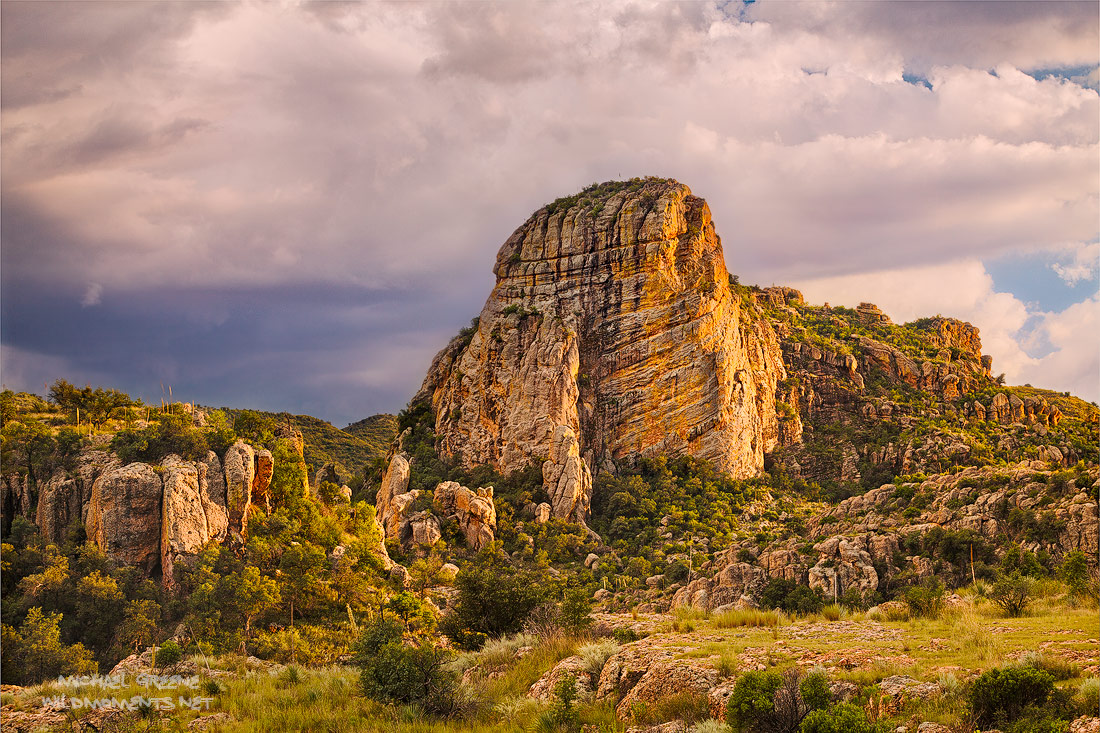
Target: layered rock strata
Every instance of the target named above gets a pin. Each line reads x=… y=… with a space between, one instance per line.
x=613 y=318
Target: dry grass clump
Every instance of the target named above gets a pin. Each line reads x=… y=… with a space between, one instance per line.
x=748 y=617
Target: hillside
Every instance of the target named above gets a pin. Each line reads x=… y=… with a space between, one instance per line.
x=632 y=491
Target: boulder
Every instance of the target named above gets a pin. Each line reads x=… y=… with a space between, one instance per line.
x=240 y=470
x=124 y=515
x=189 y=517
x=475 y=512
x=395 y=482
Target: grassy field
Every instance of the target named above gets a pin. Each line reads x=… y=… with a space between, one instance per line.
x=969 y=637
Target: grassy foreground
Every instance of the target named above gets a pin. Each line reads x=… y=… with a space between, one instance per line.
x=971 y=635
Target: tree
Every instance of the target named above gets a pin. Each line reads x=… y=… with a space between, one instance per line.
x=252 y=594
x=138 y=628
x=99 y=605
x=1012 y=593
x=393 y=672
x=36 y=652
x=999 y=696
x=301 y=577
x=770 y=702
x=494 y=598
x=1077 y=576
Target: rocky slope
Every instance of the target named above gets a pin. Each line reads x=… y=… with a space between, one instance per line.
x=612 y=326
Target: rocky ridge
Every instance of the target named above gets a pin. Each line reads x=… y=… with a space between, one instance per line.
x=612 y=318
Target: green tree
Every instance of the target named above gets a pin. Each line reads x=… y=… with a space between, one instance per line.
x=999 y=696
x=393 y=672
x=99 y=606
x=36 y=652
x=494 y=598
x=1074 y=571
x=138 y=629
x=576 y=610
x=1012 y=593
x=302 y=582
x=251 y=594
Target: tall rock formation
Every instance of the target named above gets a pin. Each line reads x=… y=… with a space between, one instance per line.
x=613 y=318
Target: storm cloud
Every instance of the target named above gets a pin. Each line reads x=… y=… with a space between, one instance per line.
x=292 y=206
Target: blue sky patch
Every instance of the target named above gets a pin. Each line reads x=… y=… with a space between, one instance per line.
x=1031 y=278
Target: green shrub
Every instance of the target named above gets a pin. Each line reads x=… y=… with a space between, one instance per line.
x=1012 y=593
x=844 y=718
x=926 y=599
x=770 y=702
x=494 y=598
x=168 y=654
x=1074 y=571
x=999 y=696
x=392 y=672
x=1088 y=696
x=790 y=597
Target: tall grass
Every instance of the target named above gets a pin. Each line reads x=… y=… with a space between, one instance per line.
x=748 y=617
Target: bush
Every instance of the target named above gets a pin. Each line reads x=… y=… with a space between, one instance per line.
x=1075 y=572
x=926 y=599
x=771 y=702
x=392 y=672
x=1088 y=696
x=790 y=597
x=1012 y=593
x=844 y=718
x=168 y=654
x=999 y=696
x=494 y=598
x=576 y=609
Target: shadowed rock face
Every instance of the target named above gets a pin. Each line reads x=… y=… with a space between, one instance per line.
x=613 y=318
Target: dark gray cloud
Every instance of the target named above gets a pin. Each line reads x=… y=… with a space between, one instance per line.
x=293 y=206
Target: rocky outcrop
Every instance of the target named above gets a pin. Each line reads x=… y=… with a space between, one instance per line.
x=124 y=515
x=566 y=477
x=842 y=565
x=729 y=586
x=395 y=482
x=191 y=517
x=612 y=315
x=15 y=499
x=475 y=512
x=63 y=498
x=261 y=481
x=240 y=471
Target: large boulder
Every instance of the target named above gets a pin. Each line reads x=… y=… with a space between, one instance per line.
x=475 y=512
x=395 y=482
x=190 y=516
x=124 y=515
x=240 y=471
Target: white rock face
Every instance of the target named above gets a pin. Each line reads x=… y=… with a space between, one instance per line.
x=190 y=517
x=567 y=478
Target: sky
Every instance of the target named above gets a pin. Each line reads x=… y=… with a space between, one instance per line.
x=292 y=206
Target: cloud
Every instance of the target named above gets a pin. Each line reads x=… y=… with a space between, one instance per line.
x=93 y=295
x=1084 y=264
x=214 y=151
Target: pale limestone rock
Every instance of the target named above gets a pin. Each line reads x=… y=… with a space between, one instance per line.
x=566 y=477
x=124 y=515
x=394 y=482
x=240 y=470
x=542 y=513
x=421 y=529
x=190 y=518
x=475 y=512
x=620 y=325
